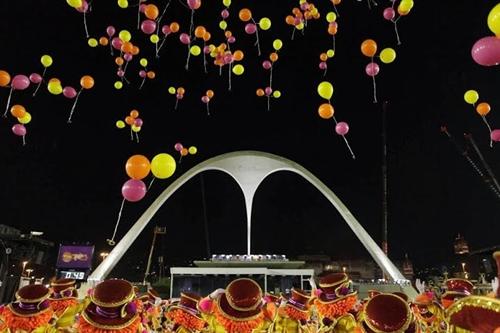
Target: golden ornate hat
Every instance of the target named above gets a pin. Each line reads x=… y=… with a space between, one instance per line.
x=456 y=288
x=384 y=313
x=298 y=299
x=63 y=289
x=334 y=287
x=31 y=300
x=242 y=300
x=478 y=314
x=188 y=303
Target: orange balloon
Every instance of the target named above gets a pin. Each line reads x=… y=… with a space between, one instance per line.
x=228 y=33
x=273 y=56
x=55 y=80
x=184 y=151
x=260 y=92
x=151 y=11
x=323 y=57
x=134 y=114
x=174 y=27
x=103 y=41
x=199 y=31
x=4 y=78
x=325 y=111
x=317 y=15
x=245 y=14
x=296 y=11
x=210 y=93
x=135 y=50
x=119 y=61
x=137 y=167
x=151 y=74
x=402 y=12
x=207 y=36
x=289 y=20
x=129 y=120
x=180 y=91
x=238 y=55
x=336 y=2
x=17 y=111
x=127 y=47
x=308 y=15
x=369 y=47
x=332 y=28
x=87 y=82
x=483 y=109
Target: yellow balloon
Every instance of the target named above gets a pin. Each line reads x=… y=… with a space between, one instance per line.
x=55 y=88
x=276 y=94
x=330 y=53
x=118 y=85
x=300 y=26
x=223 y=25
x=25 y=119
x=123 y=3
x=92 y=42
x=143 y=62
x=125 y=36
x=265 y=23
x=120 y=124
x=192 y=150
x=325 y=90
x=171 y=90
x=238 y=69
x=331 y=17
x=226 y=3
x=277 y=44
x=195 y=50
x=406 y=5
x=154 y=38
x=163 y=165
x=387 y=55
x=136 y=129
x=75 y=3
x=46 y=60
x=494 y=20
x=471 y=97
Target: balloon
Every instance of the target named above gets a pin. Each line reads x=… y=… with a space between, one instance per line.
x=103 y=41
x=494 y=20
x=194 y=4
x=19 y=130
x=178 y=146
x=277 y=44
x=181 y=91
x=74 y=3
x=238 y=55
x=200 y=31
x=171 y=90
x=267 y=64
x=406 y=5
x=192 y=150
x=276 y=94
x=4 y=78
x=184 y=152
x=226 y=3
x=330 y=53
x=110 y=30
x=325 y=90
x=92 y=42
x=151 y=11
x=205 y=99
x=148 y=26
x=154 y=38
x=133 y=190
x=389 y=13
x=265 y=23
x=174 y=27
x=138 y=122
x=223 y=25
x=120 y=124
x=25 y=119
x=195 y=50
x=331 y=17
x=163 y=166
x=69 y=92
x=250 y=28
x=387 y=55
x=151 y=74
x=224 y=14
x=117 y=43
x=369 y=47
x=125 y=36
x=238 y=69
x=245 y=15
x=55 y=88
x=260 y=92
x=486 y=51
x=129 y=120
x=495 y=135
x=87 y=82
x=20 y=82
x=323 y=65
x=135 y=128
x=268 y=91
x=372 y=69
x=483 y=109
x=184 y=38
x=471 y=97
x=17 y=111
x=273 y=57
x=325 y=111
x=137 y=167
x=118 y=84
x=46 y=60
x=123 y=3
x=342 y=128
x=210 y=93
x=134 y=114
x=35 y=78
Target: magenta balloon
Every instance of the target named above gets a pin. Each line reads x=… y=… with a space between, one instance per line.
x=250 y=28
x=84 y=7
x=20 y=82
x=486 y=51
x=110 y=30
x=36 y=78
x=372 y=69
x=133 y=190
x=205 y=99
x=323 y=65
x=148 y=26
x=19 y=130
x=142 y=73
x=69 y=92
x=127 y=57
x=225 y=14
x=228 y=58
x=495 y=135
x=178 y=146
x=116 y=43
x=120 y=73
x=231 y=40
x=268 y=91
x=342 y=128
x=389 y=13
x=184 y=38
x=297 y=20
x=166 y=29
x=138 y=122
x=142 y=8
x=194 y=4
x=206 y=49
x=267 y=64
x=304 y=6
x=179 y=96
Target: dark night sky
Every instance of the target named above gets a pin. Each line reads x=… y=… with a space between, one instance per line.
x=66 y=181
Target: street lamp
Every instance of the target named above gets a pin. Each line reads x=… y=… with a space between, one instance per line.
x=24 y=267
x=463 y=267
x=104 y=255
x=29 y=271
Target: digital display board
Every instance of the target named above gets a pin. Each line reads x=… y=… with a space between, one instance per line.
x=75 y=256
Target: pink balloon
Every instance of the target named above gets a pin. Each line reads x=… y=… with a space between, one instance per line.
x=178 y=146
x=84 y=7
x=116 y=42
x=142 y=8
x=342 y=128
x=205 y=99
x=36 y=78
x=250 y=28
x=166 y=29
x=486 y=51
x=19 y=130
x=184 y=38
x=194 y=4
x=267 y=64
x=120 y=73
x=179 y=96
x=127 y=57
x=297 y=20
x=69 y=92
x=20 y=82
x=268 y=91
x=138 y=122
x=231 y=40
x=228 y=58
x=142 y=73
x=389 y=13
x=225 y=14
x=110 y=30
x=372 y=69
x=148 y=26
x=495 y=135
x=133 y=190
x=323 y=65
x=206 y=49
x=304 y=6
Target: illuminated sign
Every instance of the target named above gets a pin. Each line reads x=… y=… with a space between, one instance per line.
x=75 y=256
x=72 y=275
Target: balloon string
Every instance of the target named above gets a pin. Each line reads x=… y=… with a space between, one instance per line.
x=161 y=45
x=204 y=58
x=208 y=110
x=142 y=83
x=268 y=103
x=346 y=142
x=396 y=31
x=112 y=240
x=137 y=136
x=257 y=42
x=293 y=33
x=324 y=73
x=24 y=140
x=489 y=129
x=271 y=76
x=111 y=47
x=151 y=183
x=74 y=106
x=190 y=34
x=158 y=22
x=333 y=43
x=176 y=103
x=336 y=11
x=131 y=134
x=139 y=14
x=374 y=89
x=8 y=102
x=180 y=159
x=230 y=65
x=40 y=83
x=85 y=24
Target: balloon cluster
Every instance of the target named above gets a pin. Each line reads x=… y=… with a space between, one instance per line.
x=127 y=50
x=369 y=49
x=471 y=97
x=252 y=27
x=486 y=51
x=82 y=6
x=326 y=111
x=166 y=30
x=144 y=73
x=186 y=38
x=403 y=9
x=268 y=65
x=23 y=117
x=183 y=151
x=134 y=122
x=301 y=15
x=179 y=94
x=331 y=18
x=86 y=83
x=323 y=57
x=223 y=55
x=206 y=99
x=19 y=82
x=46 y=61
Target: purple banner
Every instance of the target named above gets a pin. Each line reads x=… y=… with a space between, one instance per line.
x=75 y=256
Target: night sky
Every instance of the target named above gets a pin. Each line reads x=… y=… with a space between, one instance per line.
x=67 y=180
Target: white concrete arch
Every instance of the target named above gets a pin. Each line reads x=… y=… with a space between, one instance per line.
x=249 y=169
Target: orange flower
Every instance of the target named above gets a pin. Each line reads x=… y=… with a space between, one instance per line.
x=233 y=326
x=15 y=322
x=293 y=313
x=85 y=327
x=336 y=309
x=60 y=305
x=186 y=319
